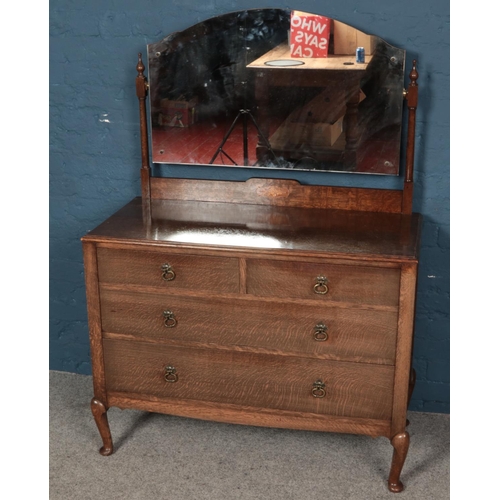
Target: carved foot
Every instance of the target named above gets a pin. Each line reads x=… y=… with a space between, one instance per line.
x=101 y=419
x=400 y=442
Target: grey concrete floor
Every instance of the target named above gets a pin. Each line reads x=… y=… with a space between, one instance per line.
x=170 y=458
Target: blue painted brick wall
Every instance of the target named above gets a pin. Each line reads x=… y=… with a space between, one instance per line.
x=95 y=149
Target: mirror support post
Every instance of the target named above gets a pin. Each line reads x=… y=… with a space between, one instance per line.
x=412 y=99
x=141 y=86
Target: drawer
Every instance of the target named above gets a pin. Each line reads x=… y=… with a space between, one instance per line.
x=345 y=283
x=247 y=379
x=350 y=334
x=187 y=272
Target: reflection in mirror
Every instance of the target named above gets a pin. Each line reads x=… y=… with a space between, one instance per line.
x=234 y=238
x=271 y=88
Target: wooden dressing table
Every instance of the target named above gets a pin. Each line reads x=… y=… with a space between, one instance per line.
x=263 y=302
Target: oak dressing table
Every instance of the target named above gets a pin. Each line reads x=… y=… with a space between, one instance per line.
x=261 y=302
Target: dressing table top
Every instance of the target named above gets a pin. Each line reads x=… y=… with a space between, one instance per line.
x=358 y=235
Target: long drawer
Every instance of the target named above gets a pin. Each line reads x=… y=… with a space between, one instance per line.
x=168 y=270
x=247 y=379
x=344 y=283
x=337 y=333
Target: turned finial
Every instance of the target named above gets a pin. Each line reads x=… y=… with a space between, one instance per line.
x=140 y=66
x=414 y=73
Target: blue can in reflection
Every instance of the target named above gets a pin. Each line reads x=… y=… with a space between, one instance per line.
x=360 y=55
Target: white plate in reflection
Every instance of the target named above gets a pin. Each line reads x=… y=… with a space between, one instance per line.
x=284 y=63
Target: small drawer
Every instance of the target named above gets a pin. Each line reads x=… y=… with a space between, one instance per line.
x=168 y=270
x=247 y=379
x=347 y=334
x=307 y=280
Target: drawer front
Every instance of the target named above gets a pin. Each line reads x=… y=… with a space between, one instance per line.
x=257 y=380
x=344 y=283
x=170 y=271
x=348 y=334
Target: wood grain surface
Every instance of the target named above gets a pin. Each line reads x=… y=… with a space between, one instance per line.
x=94 y=320
x=201 y=273
x=267 y=381
x=352 y=334
x=248 y=415
x=278 y=192
x=404 y=347
x=367 y=285
x=291 y=232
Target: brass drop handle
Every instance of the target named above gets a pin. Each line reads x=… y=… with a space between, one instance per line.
x=171 y=374
x=169 y=320
x=320 y=334
x=318 y=390
x=321 y=286
x=168 y=273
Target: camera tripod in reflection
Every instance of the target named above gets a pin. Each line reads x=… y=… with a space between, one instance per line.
x=244 y=114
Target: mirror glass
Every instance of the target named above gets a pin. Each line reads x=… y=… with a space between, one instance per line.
x=279 y=89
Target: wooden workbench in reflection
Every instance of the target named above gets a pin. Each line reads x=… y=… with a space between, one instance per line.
x=338 y=75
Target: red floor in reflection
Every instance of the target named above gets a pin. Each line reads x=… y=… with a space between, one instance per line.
x=199 y=143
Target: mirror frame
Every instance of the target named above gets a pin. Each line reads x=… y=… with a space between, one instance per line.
x=151 y=186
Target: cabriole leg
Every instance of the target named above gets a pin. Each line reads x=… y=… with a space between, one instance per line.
x=400 y=442
x=101 y=419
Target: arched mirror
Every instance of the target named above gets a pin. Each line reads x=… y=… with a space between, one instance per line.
x=276 y=89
